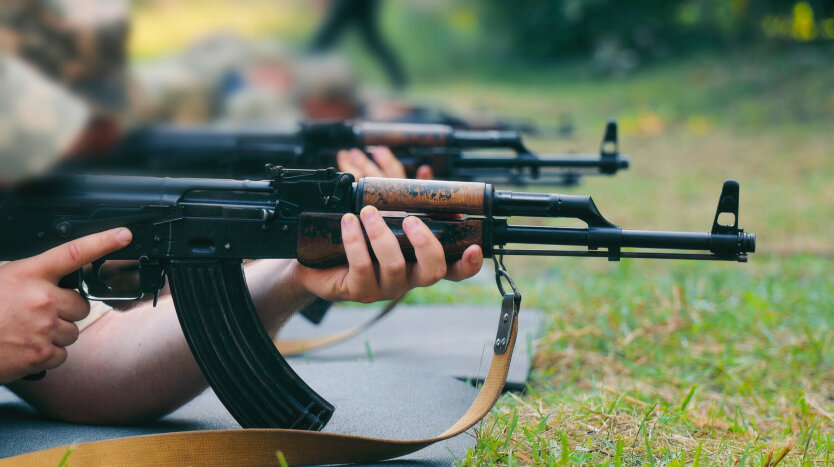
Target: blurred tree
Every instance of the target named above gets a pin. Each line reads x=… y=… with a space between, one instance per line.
x=627 y=32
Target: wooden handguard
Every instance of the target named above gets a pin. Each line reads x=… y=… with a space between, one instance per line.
x=403 y=135
x=423 y=196
x=320 y=238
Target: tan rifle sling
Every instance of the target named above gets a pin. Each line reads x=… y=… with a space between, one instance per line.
x=293 y=347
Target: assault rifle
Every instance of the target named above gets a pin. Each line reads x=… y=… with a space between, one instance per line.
x=221 y=153
x=195 y=233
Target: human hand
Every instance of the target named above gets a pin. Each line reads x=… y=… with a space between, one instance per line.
x=384 y=164
x=363 y=281
x=37 y=318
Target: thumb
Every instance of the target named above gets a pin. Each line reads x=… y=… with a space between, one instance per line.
x=71 y=256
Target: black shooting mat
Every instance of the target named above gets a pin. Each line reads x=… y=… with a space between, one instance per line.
x=371 y=399
x=452 y=340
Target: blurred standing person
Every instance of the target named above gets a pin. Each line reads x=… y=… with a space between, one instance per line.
x=363 y=14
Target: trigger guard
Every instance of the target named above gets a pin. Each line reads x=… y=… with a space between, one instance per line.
x=84 y=289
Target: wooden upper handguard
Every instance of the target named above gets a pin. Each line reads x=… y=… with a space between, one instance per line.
x=403 y=135
x=421 y=196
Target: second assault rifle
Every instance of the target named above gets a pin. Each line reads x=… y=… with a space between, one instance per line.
x=223 y=153
x=196 y=232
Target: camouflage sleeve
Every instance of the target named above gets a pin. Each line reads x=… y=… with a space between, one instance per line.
x=38 y=120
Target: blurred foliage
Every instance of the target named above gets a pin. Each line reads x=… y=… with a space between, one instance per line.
x=481 y=39
x=163 y=26
x=621 y=34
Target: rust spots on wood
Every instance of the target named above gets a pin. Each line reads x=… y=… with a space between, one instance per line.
x=425 y=196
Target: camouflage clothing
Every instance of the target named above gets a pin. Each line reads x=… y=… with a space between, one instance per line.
x=38 y=120
x=60 y=61
x=79 y=43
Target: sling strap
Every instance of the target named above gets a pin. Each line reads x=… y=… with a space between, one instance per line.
x=246 y=447
x=293 y=347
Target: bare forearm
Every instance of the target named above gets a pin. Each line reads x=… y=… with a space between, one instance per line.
x=136 y=365
x=276 y=291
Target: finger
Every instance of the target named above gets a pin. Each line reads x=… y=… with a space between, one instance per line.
x=431 y=259
x=325 y=283
x=393 y=271
x=361 y=282
x=71 y=256
x=343 y=160
x=425 y=172
x=387 y=162
x=469 y=264
x=64 y=333
x=70 y=305
x=364 y=165
x=57 y=358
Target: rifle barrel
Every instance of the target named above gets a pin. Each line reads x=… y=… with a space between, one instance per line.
x=742 y=258
x=578 y=161
x=479 y=139
x=647 y=239
x=630 y=238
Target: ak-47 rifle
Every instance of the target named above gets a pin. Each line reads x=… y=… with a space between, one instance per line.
x=195 y=233
x=223 y=153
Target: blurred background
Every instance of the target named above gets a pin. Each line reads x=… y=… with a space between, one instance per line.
x=703 y=90
x=642 y=362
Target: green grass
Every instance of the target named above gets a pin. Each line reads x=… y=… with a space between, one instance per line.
x=681 y=363
x=677 y=355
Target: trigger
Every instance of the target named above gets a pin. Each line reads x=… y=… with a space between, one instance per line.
x=97 y=284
